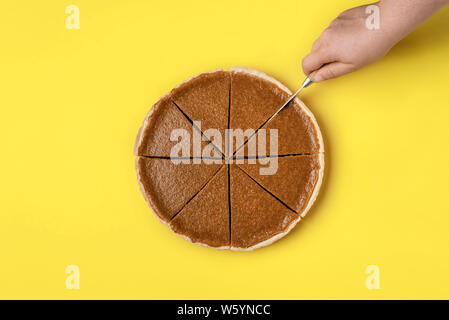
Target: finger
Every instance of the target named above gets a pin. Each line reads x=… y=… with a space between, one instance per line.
x=331 y=70
x=315 y=60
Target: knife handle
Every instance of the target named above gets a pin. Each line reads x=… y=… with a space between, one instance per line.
x=306 y=82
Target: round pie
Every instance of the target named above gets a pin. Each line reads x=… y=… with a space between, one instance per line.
x=212 y=167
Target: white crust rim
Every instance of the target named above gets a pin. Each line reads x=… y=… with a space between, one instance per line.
x=146 y=123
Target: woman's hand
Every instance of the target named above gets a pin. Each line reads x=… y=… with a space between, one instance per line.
x=348 y=44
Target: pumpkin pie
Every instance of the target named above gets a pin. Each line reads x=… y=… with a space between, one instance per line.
x=230 y=204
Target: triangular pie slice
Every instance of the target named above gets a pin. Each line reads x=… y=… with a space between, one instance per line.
x=296 y=133
x=205 y=98
x=167 y=186
x=255 y=97
x=293 y=179
x=154 y=137
x=257 y=218
x=205 y=219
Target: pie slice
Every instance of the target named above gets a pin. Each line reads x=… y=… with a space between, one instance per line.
x=154 y=137
x=167 y=186
x=205 y=98
x=255 y=97
x=257 y=218
x=296 y=133
x=205 y=219
x=295 y=182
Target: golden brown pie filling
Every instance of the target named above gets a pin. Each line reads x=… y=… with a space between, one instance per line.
x=237 y=189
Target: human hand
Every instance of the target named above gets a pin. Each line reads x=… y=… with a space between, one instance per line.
x=348 y=44
x=345 y=46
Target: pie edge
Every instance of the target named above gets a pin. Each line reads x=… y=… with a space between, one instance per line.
x=143 y=191
x=146 y=122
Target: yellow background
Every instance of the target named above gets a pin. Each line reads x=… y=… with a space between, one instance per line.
x=73 y=100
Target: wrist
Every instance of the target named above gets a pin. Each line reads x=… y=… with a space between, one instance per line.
x=400 y=17
x=440 y=3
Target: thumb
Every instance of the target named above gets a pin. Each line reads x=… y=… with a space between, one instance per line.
x=330 y=71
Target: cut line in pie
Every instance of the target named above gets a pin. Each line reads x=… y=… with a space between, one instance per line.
x=218 y=201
